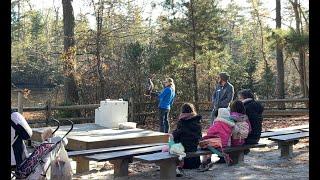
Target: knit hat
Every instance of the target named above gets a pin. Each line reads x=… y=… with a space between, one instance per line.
x=223 y=113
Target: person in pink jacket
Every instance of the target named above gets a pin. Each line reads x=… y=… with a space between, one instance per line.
x=221 y=128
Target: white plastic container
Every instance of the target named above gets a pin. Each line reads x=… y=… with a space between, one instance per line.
x=111 y=113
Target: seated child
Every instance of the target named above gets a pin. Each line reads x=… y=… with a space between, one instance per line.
x=188 y=133
x=242 y=124
x=222 y=129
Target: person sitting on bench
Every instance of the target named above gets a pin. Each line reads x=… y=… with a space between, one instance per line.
x=242 y=125
x=188 y=133
x=221 y=128
x=254 y=112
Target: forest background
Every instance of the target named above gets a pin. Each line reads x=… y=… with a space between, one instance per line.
x=108 y=48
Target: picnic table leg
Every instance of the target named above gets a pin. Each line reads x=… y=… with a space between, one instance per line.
x=168 y=169
x=286 y=148
x=121 y=167
x=82 y=164
x=236 y=157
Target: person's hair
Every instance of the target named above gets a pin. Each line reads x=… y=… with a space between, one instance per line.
x=246 y=93
x=224 y=76
x=237 y=106
x=171 y=83
x=188 y=108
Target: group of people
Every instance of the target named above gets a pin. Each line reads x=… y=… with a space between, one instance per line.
x=233 y=122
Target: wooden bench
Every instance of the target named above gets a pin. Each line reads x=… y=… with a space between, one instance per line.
x=286 y=142
x=82 y=163
x=121 y=159
x=167 y=162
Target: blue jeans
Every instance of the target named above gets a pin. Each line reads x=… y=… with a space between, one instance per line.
x=164 y=120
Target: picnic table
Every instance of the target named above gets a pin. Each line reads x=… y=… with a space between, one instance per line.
x=93 y=136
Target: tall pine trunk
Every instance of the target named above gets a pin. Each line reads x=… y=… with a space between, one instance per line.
x=195 y=81
x=301 y=64
x=71 y=92
x=279 y=52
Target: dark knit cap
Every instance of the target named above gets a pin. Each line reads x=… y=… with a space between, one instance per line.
x=224 y=76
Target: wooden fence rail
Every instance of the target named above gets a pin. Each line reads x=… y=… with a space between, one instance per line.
x=138 y=111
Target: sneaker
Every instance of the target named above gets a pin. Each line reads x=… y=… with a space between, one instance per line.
x=179 y=172
x=205 y=167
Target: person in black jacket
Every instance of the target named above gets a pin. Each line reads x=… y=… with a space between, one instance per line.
x=188 y=133
x=254 y=112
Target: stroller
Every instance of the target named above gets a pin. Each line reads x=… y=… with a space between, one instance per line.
x=36 y=166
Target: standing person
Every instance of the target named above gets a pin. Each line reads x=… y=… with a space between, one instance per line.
x=254 y=112
x=166 y=98
x=222 y=95
x=188 y=133
x=20 y=130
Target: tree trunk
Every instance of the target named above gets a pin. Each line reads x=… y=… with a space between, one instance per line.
x=71 y=91
x=279 y=52
x=196 y=97
x=99 y=17
x=301 y=63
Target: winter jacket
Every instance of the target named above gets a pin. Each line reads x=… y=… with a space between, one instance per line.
x=166 y=98
x=222 y=96
x=188 y=133
x=221 y=127
x=241 y=129
x=254 y=112
x=20 y=130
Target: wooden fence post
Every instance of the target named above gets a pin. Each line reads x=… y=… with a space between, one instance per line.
x=48 y=112
x=131 y=118
x=20 y=102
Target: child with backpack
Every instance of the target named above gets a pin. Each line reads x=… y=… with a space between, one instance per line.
x=242 y=124
x=218 y=136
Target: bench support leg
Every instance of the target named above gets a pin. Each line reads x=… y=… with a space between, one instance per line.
x=82 y=164
x=286 y=149
x=121 y=167
x=236 y=157
x=168 y=169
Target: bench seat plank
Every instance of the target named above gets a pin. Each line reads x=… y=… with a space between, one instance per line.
x=155 y=157
x=290 y=137
x=124 y=154
x=104 y=150
x=277 y=133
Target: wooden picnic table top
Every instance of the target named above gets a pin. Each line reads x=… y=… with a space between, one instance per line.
x=291 y=128
x=93 y=136
x=278 y=133
x=290 y=137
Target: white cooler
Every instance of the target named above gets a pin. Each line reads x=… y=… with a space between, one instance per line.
x=111 y=113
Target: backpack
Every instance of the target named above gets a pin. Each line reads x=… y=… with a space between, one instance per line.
x=241 y=130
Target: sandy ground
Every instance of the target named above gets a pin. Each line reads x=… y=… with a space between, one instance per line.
x=260 y=163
